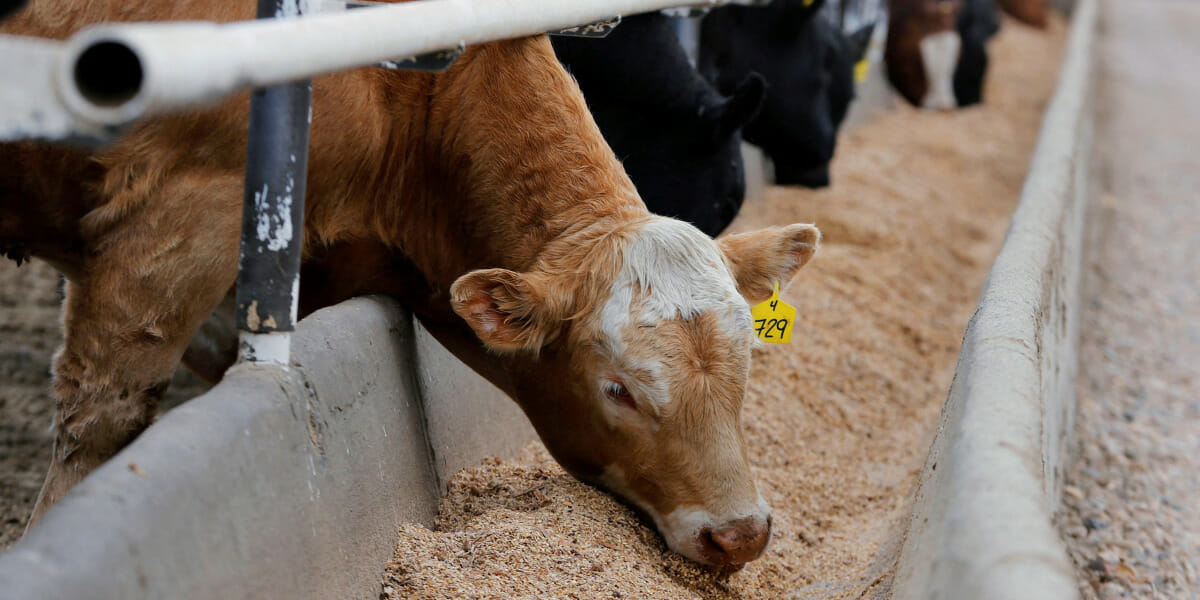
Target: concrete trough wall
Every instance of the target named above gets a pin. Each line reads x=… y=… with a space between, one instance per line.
x=981 y=524
x=276 y=484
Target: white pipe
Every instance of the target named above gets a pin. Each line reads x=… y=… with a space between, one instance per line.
x=187 y=64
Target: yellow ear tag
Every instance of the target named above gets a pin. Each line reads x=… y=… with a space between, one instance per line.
x=862 y=68
x=773 y=319
x=808 y=3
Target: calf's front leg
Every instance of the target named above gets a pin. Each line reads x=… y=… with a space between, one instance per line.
x=156 y=267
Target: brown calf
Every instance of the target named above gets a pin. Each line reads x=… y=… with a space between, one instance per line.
x=922 y=51
x=486 y=199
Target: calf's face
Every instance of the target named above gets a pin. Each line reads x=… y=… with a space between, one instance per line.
x=644 y=337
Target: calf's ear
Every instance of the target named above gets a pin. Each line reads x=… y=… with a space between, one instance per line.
x=759 y=259
x=509 y=311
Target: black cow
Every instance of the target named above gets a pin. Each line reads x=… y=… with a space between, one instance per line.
x=809 y=67
x=978 y=21
x=678 y=138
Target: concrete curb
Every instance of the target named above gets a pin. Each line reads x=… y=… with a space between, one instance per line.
x=981 y=522
x=275 y=484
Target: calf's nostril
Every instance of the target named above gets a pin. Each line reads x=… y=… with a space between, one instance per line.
x=729 y=539
x=738 y=543
x=711 y=546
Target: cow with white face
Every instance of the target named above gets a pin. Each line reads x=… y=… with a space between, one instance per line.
x=653 y=324
x=922 y=51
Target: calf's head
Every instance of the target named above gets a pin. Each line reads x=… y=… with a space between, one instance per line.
x=632 y=342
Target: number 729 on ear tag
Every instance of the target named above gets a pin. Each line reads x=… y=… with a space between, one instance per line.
x=773 y=319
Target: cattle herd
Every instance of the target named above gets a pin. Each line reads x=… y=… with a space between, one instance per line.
x=520 y=203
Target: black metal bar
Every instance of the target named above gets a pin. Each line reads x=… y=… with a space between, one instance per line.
x=273 y=205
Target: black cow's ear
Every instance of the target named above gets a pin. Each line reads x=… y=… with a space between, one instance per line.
x=741 y=107
x=860 y=41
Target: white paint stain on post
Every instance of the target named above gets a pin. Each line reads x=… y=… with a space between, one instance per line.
x=295 y=308
x=274 y=230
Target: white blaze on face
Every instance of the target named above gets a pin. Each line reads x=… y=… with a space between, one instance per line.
x=670 y=271
x=675 y=272
x=939 y=53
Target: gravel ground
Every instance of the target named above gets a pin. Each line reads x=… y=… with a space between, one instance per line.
x=838 y=422
x=1131 y=516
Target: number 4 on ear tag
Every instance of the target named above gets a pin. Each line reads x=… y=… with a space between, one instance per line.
x=773 y=319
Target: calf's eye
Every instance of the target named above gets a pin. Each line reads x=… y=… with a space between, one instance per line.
x=617 y=392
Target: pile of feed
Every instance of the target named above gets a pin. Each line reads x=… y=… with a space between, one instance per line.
x=838 y=421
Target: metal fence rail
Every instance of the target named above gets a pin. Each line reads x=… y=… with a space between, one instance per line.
x=109 y=75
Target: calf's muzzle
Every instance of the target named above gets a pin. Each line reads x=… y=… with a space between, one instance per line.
x=735 y=543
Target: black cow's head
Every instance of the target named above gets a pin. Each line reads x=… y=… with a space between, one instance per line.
x=687 y=164
x=679 y=139
x=977 y=23
x=808 y=64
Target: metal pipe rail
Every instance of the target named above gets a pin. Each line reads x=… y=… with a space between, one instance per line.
x=109 y=75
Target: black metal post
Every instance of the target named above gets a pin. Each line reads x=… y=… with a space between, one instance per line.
x=273 y=211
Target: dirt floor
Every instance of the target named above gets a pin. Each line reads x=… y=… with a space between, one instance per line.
x=30 y=332
x=1130 y=516
x=839 y=421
